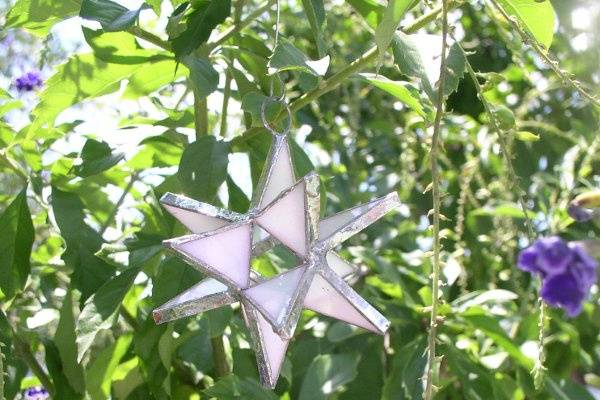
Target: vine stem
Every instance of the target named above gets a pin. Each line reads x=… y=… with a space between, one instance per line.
x=356 y=66
x=538 y=368
x=435 y=190
x=542 y=52
x=200 y=116
x=23 y=350
x=113 y=212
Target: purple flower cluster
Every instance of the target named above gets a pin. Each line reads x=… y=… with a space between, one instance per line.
x=567 y=271
x=36 y=393
x=28 y=81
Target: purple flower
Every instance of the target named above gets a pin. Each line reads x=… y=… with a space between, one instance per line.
x=36 y=393
x=563 y=291
x=580 y=214
x=568 y=272
x=28 y=81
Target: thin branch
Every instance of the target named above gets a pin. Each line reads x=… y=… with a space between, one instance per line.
x=356 y=66
x=504 y=147
x=226 y=95
x=149 y=37
x=23 y=350
x=8 y=162
x=113 y=212
x=435 y=176
x=219 y=356
x=527 y=37
x=240 y=25
x=538 y=369
x=200 y=116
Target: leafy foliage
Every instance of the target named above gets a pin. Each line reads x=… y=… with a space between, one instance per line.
x=167 y=97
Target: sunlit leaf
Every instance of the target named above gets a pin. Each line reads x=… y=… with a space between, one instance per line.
x=16 y=231
x=537 y=16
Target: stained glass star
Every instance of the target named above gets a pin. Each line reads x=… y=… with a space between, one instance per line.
x=221 y=246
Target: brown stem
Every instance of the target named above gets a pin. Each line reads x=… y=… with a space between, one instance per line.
x=435 y=177
x=219 y=356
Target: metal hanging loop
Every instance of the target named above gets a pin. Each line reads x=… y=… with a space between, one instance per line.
x=266 y=123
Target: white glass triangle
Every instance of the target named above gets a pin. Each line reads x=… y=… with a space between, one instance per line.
x=259 y=234
x=274 y=346
x=202 y=289
x=281 y=175
x=275 y=295
x=339 y=265
x=324 y=299
x=227 y=252
x=286 y=220
x=330 y=225
x=195 y=222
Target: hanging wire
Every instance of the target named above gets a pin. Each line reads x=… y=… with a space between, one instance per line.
x=276 y=99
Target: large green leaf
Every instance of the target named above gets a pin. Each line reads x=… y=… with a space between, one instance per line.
x=81 y=77
x=89 y=271
x=418 y=56
x=392 y=16
x=538 y=17
x=65 y=341
x=152 y=77
x=494 y=331
x=397 y=89
x=112 y=16
x=231 y=388
x=287 y=57
x=200 y=24
x=102 y=309
x=371 y=10
x=315 y=12
x=203 y=76
x=38 y=16
x=326 y=374
x=100 y=372
x=96 y=157
x=203 y=168
x=16 y=231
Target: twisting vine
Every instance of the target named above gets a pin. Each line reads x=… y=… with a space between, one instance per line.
x=527 y=37
x=538 y=369
x=435 y=190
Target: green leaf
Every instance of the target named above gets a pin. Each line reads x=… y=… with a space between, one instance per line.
x=232 y=388
x=96 y=157
x=397 y=89
x=200 y=24
x=112 y=16
x=38 y=16
x=371 y=10
x=286 y=57
x=538 y=17
x=56 y=370
x=203 y=168
x=494 y=331
x=418 y=56
x=326 y=374
x=238 y=201
x=100 y=372
x=384 y=33
x=315 y=12
x=65 y=341
x=120 y=48
x=408 y=366
x=204 y=78
x=102 y=309
x=152 y=77
x=16 y=231
x=527 y=136
x=89 y=271
x=81 y=77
